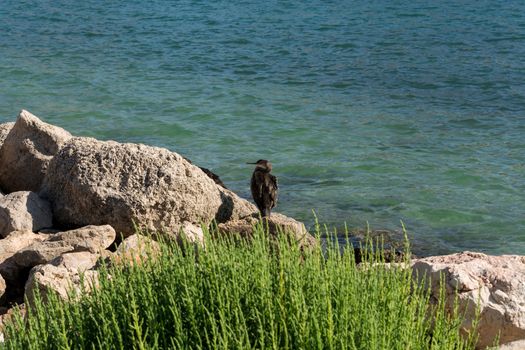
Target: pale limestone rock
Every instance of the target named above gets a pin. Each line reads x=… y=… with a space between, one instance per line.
x=89 y=238
x=63 y=274
x=2 y=287
x=26 y=152
x=9 y=246
x=193 y=232
x=77 y=261
x=23 y=211
x=515 y=345
x=5 y=128
x=16 y=241
x=95 y=182
x=275 y=223
x=496 y=282
x=59 y=279
x=92 y=239
x=135 y=249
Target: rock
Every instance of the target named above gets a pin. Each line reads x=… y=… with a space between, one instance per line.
x=26 y=152
x=136 y=249
x=78 y=261
x=515 y=345
x=234 y=208
x=213 y=176
x=209 y=173
x=96 y=182
x=192 y=232
x=92 y=239
x=16 y=241
x=89 y=238
x=41 y=253
x=5 y=128
x=13 y=274
x=496 y=282
x=276 y=223
x=24 y=211
x=2 y=287
x=64 y=273
x=59 y=279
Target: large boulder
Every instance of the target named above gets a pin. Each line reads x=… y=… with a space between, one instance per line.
x=5 y=128
x=24 y=211
x=92 y=239
x=26 y=152
x=496 y=283
x=96 y=182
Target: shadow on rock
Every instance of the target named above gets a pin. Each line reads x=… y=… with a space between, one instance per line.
x=225 y=211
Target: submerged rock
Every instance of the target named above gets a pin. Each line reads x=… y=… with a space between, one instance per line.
x=24 y=211
x=496 y=283
x=26 y=152
x=96 y=182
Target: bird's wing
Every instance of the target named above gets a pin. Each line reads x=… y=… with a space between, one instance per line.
x=273 y=188
x=256 y=187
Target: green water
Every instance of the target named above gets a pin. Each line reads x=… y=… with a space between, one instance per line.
x=370 y=112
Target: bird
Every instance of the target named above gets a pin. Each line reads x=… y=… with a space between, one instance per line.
x=264 y=187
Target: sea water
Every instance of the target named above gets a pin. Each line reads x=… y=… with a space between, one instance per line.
x=372 y=112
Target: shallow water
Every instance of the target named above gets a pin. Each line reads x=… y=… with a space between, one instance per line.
x=370 y=112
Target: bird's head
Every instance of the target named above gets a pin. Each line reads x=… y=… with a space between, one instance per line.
x=262 y=164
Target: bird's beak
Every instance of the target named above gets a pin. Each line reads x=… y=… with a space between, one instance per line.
x=251 y=163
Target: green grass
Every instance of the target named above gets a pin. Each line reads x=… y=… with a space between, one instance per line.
x=266 y=294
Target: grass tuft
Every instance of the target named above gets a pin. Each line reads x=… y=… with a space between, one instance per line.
x=235 y=294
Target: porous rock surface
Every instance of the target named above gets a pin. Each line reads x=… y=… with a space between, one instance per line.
x=136 y=249
x=274 y=224
x=105 y=182
x=24 y=211
x=12 y=273
x=55 y=183
x=91 y=238
x=4 y=130
x=497 y=283
x=60 y=279
x=26 y=152
x=76 y=261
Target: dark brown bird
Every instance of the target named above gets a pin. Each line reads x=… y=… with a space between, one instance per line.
x=264 y=187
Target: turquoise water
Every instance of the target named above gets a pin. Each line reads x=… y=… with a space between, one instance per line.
x=370 y=111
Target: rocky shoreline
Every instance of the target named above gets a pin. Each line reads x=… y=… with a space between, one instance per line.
x=67 y=202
